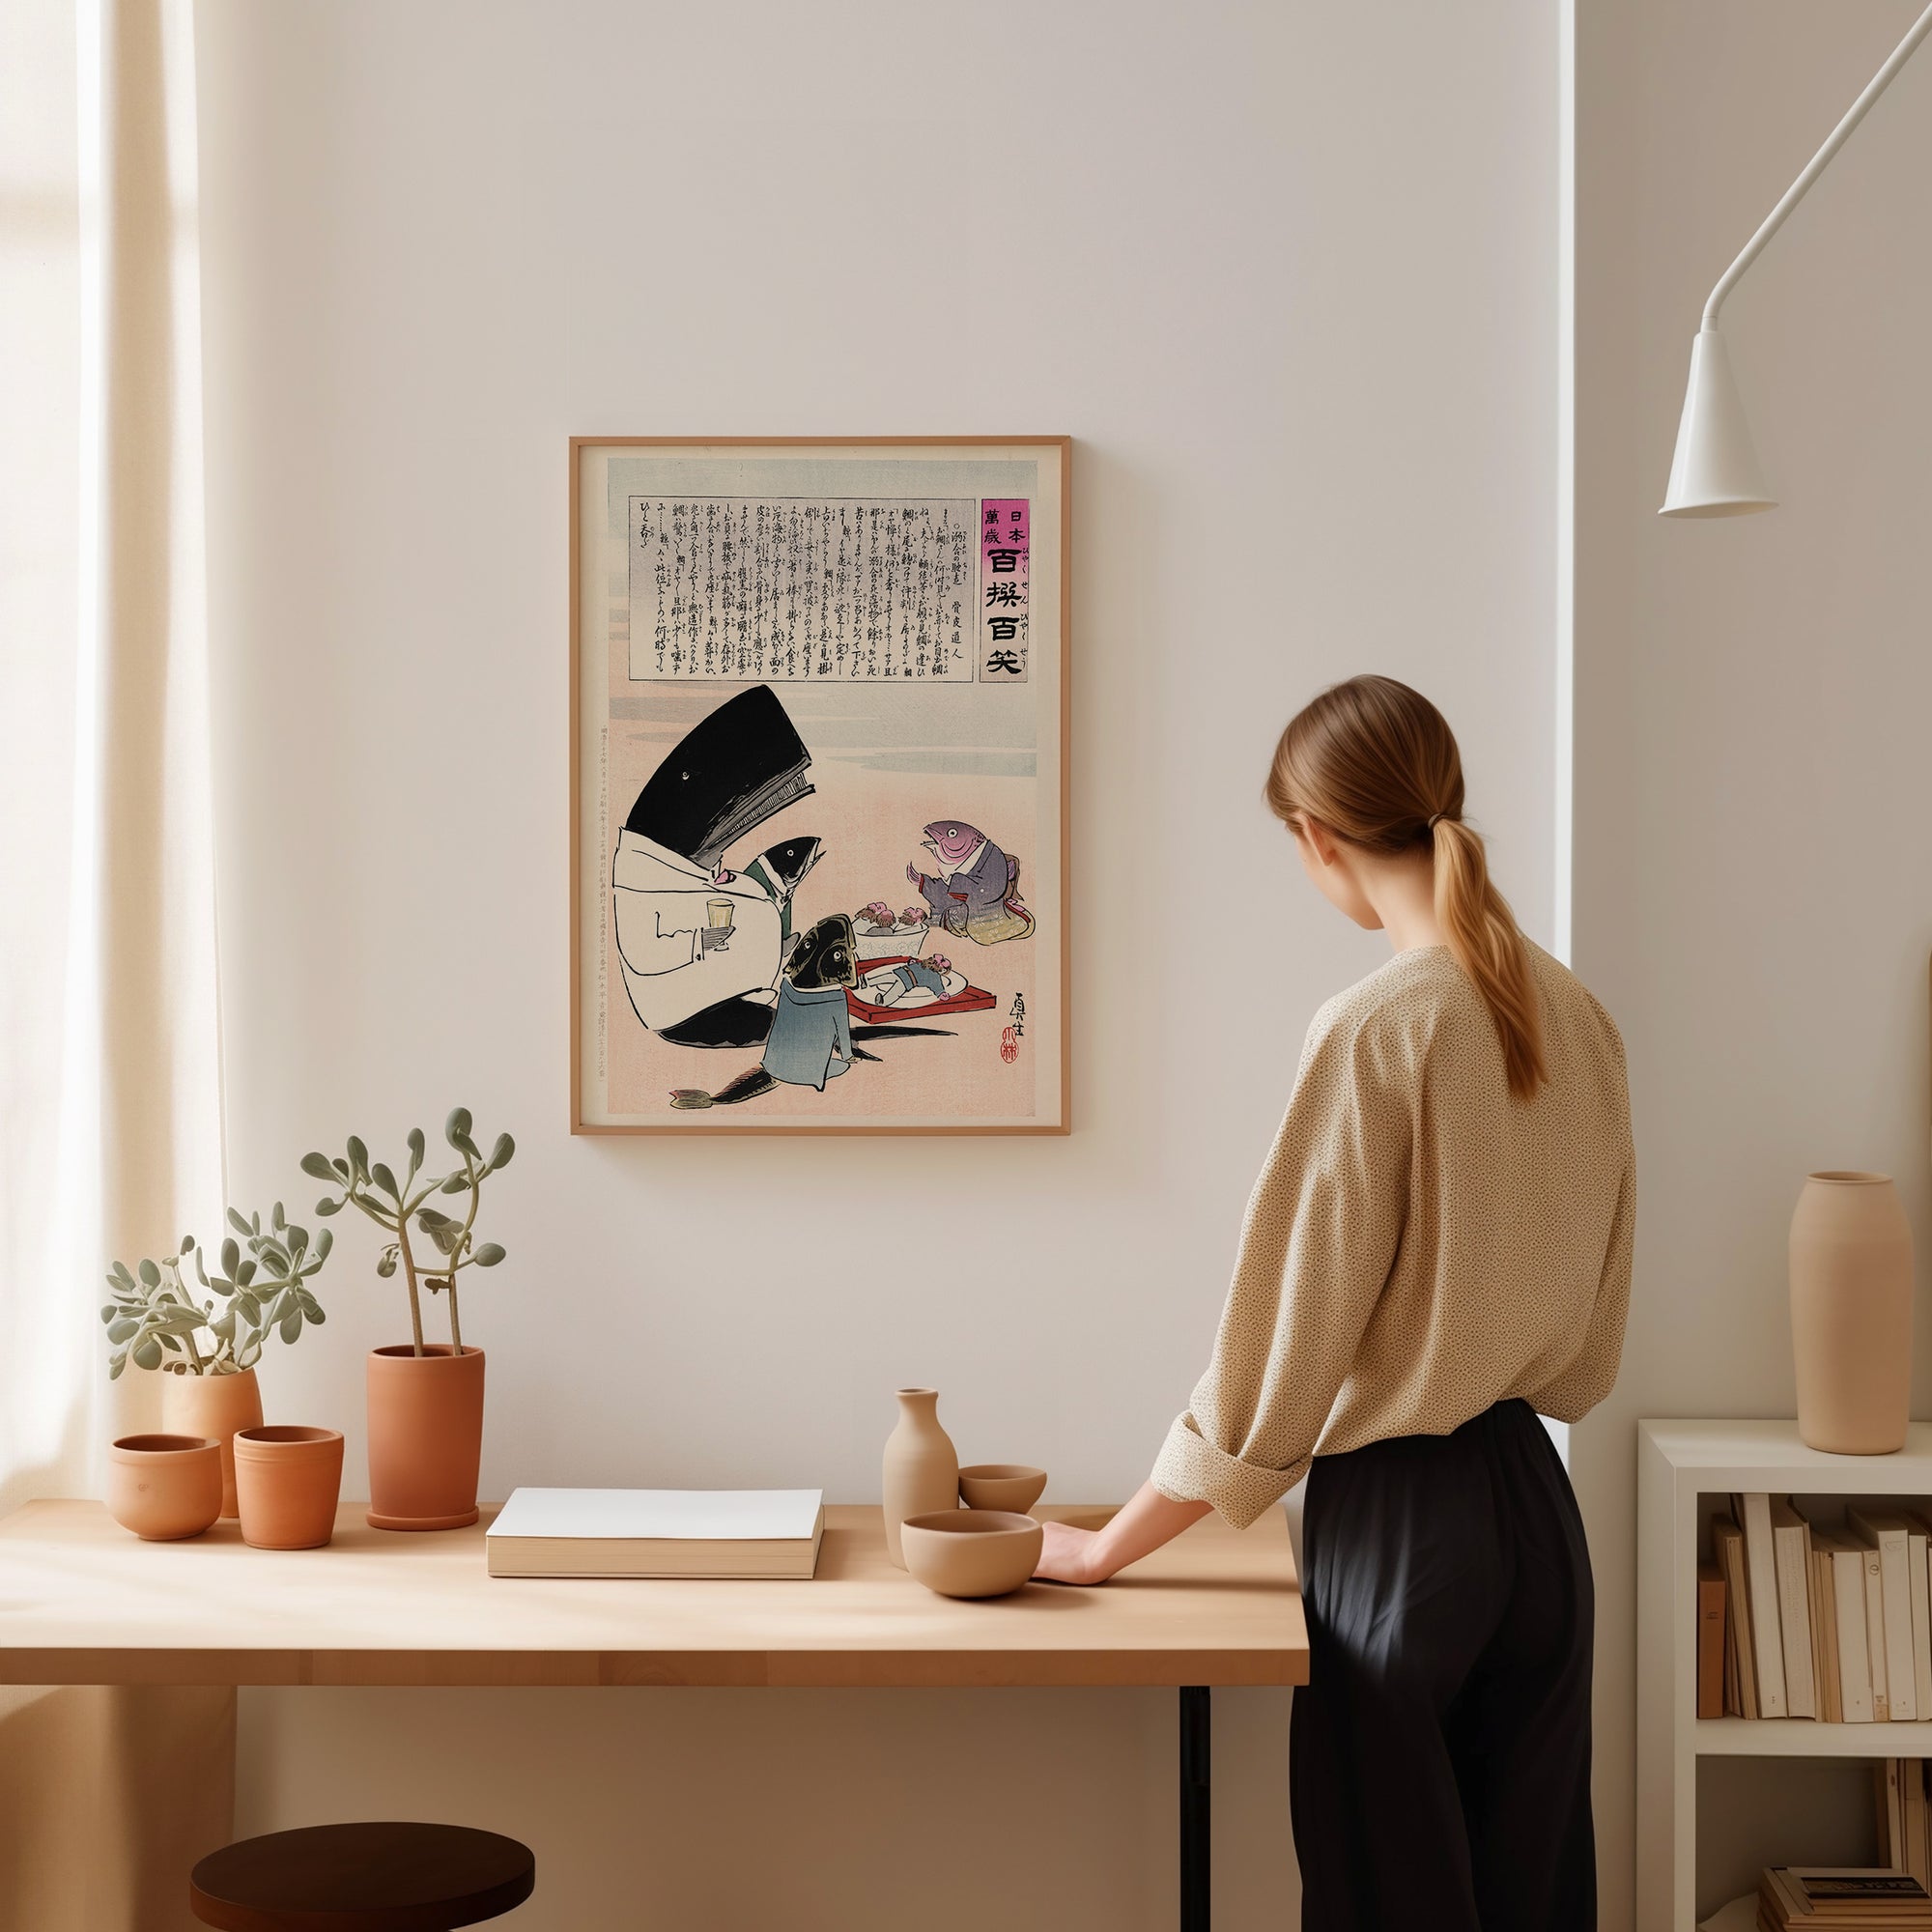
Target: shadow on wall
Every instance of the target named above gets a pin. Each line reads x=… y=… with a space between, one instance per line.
x=108 y=1794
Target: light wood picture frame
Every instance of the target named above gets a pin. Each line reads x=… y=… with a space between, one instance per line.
x=820 y=719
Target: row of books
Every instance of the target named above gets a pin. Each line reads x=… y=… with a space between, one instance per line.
x=1797 y=1619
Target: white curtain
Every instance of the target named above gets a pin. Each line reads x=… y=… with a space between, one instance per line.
x=110 y=1079
x=111 y=1076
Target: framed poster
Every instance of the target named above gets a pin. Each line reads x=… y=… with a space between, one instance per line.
x=818 y=784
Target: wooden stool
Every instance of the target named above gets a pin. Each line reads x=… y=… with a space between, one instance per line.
x=362 y=1878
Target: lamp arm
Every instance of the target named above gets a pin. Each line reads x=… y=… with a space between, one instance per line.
x=1817 y=164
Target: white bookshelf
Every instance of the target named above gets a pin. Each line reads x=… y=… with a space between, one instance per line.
x=1680 y=1468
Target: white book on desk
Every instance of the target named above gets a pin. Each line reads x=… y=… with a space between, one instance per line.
x=745 y=1533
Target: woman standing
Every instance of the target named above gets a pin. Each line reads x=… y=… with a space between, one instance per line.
x=1438 y=1250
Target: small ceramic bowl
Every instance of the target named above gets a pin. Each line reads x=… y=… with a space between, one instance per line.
x=164 y=1487
x=1001 y=1485
x=970 y=1552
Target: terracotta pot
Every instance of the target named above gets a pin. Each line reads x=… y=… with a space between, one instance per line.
x=921 y=1469
x=213 y=1405
x=164 y=1487
x=1851 y=1314
x=425 y=1436
x=287 y=1479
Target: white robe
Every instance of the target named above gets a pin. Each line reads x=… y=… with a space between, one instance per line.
x=660 y=902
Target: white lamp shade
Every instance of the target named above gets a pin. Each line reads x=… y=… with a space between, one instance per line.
x=1714 y=473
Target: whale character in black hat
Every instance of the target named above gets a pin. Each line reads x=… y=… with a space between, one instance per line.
x=699 y=972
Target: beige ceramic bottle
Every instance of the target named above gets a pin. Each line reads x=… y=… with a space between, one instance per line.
x=922 y=1472
x=1851 y=1314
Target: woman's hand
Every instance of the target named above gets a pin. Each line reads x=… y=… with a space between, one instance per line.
x=1070 y=1555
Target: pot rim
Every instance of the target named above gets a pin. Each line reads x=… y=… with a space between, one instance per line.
x=1850 y=1177
x=982 y=1523
x=915 y=1391
x=154 y=1445
x=273 y=1440
x=433 y=1352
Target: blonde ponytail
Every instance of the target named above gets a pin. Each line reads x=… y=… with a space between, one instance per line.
x=1482 y=933
x=1376 y=763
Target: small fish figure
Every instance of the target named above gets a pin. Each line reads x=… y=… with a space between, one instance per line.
x=977 y=893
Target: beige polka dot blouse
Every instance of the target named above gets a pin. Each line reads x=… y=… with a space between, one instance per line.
x=1419 y=1245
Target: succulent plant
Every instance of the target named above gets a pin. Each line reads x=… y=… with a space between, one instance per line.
x=155 y=1320
x=395 y=1204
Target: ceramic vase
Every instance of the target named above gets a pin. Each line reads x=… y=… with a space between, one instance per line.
x=287 y=1480
x=425 y=1436
x=164 y=1487
x=215 y=1406
x=1851 y=1314
x=922 y=1471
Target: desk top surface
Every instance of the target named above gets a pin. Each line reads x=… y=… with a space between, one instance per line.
x=83 y=1601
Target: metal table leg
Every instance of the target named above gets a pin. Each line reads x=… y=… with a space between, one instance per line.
x=1196 y=1836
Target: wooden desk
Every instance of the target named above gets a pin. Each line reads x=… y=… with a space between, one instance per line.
x=82 y=1602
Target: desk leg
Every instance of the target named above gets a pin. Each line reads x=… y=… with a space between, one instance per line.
x=1196 y=1835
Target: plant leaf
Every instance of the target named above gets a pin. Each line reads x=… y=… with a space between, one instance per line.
x=325 y=1240
x=292 y=1325
x=456 y=1129
x=359 y=1155
x=386 y=1262
x=328 y=1207
x=150 y=1274
x=416 y=1146
x=489 y=1255
x=456 y=1184
x=240 y=1226
x=499 y=1154
x=317 y=1167
x=121 y=1330
x=147 y=1353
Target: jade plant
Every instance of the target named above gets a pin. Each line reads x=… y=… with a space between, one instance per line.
x=396 y=1206
x=156 y=1321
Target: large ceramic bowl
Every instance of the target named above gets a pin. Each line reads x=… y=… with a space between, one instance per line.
x=970 y=1552
x=1001 y=1485
x=164 y=1487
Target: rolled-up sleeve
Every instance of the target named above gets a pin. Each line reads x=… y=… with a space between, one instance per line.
x=1316 y=1245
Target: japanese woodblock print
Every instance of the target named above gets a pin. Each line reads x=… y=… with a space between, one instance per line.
x=818 y=707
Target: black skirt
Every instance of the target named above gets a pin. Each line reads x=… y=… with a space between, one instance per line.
x=1440 y=1750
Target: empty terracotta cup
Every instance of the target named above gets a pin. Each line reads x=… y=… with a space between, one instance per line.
x=287 y=1480
x=1001 y=1485
x=970 y=1552
x=164 y=1487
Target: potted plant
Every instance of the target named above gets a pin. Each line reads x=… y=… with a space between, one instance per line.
x=208 y=1357
x=425 y=1398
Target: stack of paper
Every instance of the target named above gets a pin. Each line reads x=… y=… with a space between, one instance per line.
x=656 y=1533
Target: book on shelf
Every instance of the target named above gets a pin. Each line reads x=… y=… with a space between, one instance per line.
x=1889 y=1532
x=690 y=1533
x=1791 y=1544
x=1848 y=1620
x=1824 y=1634
x=1904 y=1827
x=1754 y=1514
x=1837 y=1898
x=1728 y=1541
x=1710 y=1641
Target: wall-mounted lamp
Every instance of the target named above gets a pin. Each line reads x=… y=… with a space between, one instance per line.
x=1716 y=472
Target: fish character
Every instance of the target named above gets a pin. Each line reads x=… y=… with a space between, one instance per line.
x=977 y=893
x=812 y=1038
x=694 y=977
x=780 y=870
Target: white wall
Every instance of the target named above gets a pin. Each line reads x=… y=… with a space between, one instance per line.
x=1288 y=276
x=1753 y=697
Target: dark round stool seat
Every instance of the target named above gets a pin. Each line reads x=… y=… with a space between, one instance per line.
x=362 y=1878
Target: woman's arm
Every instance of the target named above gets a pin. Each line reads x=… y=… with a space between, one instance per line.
x=1070 y=1555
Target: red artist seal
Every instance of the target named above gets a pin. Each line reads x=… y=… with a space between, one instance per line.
x=1010 y=1046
